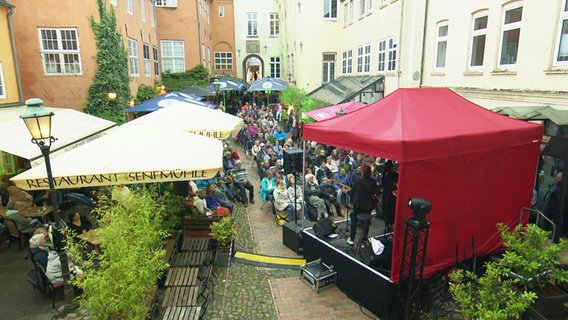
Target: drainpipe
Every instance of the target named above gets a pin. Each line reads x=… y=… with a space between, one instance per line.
x=198 y=30
x=14 y=53
x=423 y=44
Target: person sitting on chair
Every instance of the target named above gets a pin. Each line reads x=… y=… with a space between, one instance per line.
x=38 y=249
x=312 y=191
x=323 y=171
x=255 y=150
x=282 y=199
x=296 y=195
x=221 y=195
x=200 y=204
x=213 y=203
x=25 y=225
x=78 y=223
x=329 y=194
x=242 y=183
x=267 y=186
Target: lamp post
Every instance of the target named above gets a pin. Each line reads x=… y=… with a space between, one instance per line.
x=38 y=121
x=217 y=88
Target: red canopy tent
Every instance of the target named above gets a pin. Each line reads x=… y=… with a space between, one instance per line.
x=332 y=111
x=476 y=167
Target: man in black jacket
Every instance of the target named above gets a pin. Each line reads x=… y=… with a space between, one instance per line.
x=362 y=194
x=329 y=194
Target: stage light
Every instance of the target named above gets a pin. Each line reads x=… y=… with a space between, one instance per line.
x=420 y=207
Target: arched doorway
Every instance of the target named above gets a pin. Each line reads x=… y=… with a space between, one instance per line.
x=253 y=67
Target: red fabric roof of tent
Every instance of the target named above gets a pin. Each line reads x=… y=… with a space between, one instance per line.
x=331 y=111
x=475 y=166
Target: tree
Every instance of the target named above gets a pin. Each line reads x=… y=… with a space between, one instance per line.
x=112 y=72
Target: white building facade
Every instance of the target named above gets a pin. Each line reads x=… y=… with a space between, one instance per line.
x=258 y=39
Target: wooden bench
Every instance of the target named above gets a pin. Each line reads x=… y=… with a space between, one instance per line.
x=182 y=313
x=191 y=258
x=195 y=244
x=170 y=249
x=180 y=297
x=183 y=276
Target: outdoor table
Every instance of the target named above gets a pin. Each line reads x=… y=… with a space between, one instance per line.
x=182 y=313
x=195 y=244
x=91 y=238
x=30 y=212
x=191 y=258
x=181 y=297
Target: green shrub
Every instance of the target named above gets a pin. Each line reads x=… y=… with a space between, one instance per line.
x=224 y=231
x=119 y=280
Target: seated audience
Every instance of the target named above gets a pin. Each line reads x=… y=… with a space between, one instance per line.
x=267 y=186
x=296 y=195
x=312 y=191
x=221 y=195
x=329 y=194
x=38 y=248
x=213 y=203
x=242 y=183
x=25 y=225
x=78 y=223
x=282 y=199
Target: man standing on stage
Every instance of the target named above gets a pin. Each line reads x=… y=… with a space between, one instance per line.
x=362 y=193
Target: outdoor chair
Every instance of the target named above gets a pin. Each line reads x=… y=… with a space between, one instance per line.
x=48 y=284
x=15 y=232
x=34 y=278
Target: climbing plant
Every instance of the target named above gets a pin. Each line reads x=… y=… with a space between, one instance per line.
x=196 y=77
x=112 y=72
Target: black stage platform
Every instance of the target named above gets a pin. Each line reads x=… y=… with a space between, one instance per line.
x=363 y=278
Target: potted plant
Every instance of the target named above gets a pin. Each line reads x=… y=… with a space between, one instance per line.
x=224 y=231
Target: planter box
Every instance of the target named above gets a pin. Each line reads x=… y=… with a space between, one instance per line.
x=223 y=255
x=199 y=223
x=552 y=305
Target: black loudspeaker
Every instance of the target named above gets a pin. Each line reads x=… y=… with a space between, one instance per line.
x=293 y=160
x=324 y=228
x=292 y=237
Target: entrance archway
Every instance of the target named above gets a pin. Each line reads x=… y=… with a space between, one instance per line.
x=253 y=67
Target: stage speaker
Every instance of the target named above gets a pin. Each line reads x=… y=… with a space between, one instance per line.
x=293 y=160
x=324 y=228
x=292 y=237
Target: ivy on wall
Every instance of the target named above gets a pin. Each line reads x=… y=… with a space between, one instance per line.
x=112 y=73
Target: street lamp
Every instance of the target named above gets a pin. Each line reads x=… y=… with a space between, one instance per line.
x=217 y=88
x=38 y=121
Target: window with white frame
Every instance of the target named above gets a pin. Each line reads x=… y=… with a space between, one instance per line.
x=511 y=34
x=367 y=58
x=223 y=60
x=2 y=83
x=113 y=2
x=166 y=3
x=330 y=9
x=129 y=7
x=152 y=15
x=221 y=11
x=274 y=24
x=382 y=56
x=147 y=62
x=252 y=24
x=173 y=56
x=391 y=51
x=478 y=33
x=562 y=43
x=360 y=51
x=156 y=63
x=143 y=10
x=328 y=67
x=362 y=7
x=60 y=51
x=347 y=61
x=441 y=44
x=369 y=5
x=275 y=67
x=133 y=57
